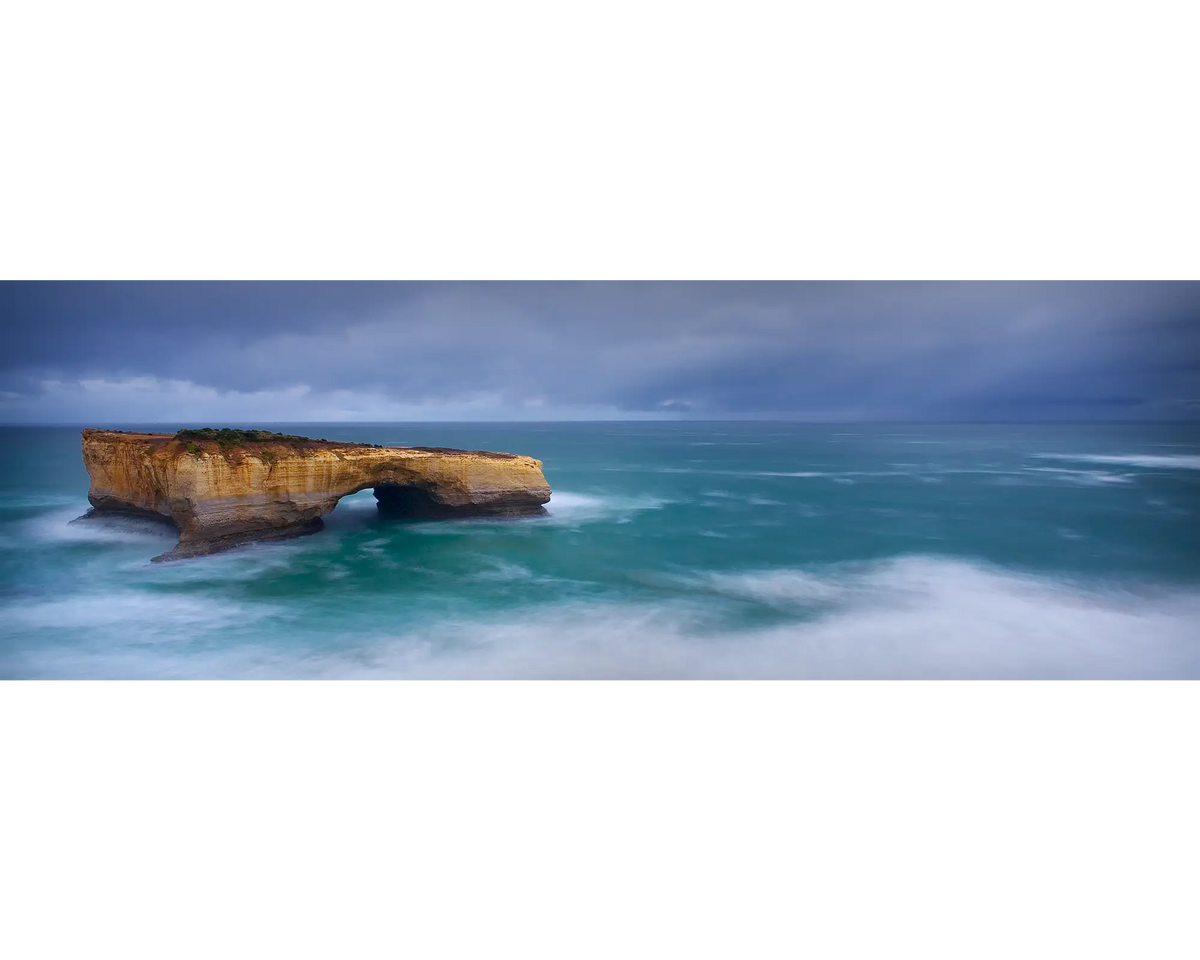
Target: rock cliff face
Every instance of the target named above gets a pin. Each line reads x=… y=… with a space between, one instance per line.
x=221 y=496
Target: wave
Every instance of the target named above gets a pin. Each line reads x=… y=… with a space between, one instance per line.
x=917 y=617
x=127 y=610
x=751 y=499
x=574 y=508
x=1088 y=478
x=247 y=563
x=785 y=588
x=1179 y=461
x=501 y=571
x=59 y=526
x=564 y=509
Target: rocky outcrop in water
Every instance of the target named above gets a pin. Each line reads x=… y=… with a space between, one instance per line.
x=220 y=492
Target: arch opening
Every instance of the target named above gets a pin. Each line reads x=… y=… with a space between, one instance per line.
x=399 y=500
x=414 y=501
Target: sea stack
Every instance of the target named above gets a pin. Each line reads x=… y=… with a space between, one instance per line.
x=222 y=488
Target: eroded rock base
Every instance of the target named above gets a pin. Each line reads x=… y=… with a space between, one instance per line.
x=413 y=502
x=202 y=548
x=118 y=509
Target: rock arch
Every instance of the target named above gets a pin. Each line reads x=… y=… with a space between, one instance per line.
x=221 y=497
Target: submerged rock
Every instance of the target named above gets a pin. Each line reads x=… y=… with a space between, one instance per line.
x=244 y=486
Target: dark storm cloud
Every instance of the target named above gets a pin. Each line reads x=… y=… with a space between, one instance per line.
x=836 y=350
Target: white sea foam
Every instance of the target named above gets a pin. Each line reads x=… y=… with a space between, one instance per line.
x=1179 y=461
x=501 y=571
x=916 y=617
x=1087 y=478
x=776 y=587
x=246 y=563
x=137 y=615
x=752 y=499
x=58 y=526
x=576 y=508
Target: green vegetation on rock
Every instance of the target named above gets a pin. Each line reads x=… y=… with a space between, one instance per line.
x=228 y=438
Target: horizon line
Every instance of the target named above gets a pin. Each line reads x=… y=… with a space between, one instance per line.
x=939 y=422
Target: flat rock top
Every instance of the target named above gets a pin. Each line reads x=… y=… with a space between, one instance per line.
x=277 y=442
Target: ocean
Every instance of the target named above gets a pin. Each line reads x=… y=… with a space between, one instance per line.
x=714 y=550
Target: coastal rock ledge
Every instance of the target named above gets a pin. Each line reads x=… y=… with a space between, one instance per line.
x=221 y=492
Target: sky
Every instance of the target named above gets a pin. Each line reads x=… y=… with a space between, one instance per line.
x=267 y=352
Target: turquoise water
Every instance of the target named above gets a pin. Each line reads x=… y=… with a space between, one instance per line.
x=713 y=550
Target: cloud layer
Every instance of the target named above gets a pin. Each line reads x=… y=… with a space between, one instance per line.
x=396 y=351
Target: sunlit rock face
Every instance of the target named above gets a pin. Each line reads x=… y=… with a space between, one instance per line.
x=221 y=496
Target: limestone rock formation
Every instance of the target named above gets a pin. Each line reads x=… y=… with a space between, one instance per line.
x=221 y=494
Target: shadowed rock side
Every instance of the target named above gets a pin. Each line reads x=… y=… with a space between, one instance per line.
x=221 y=496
